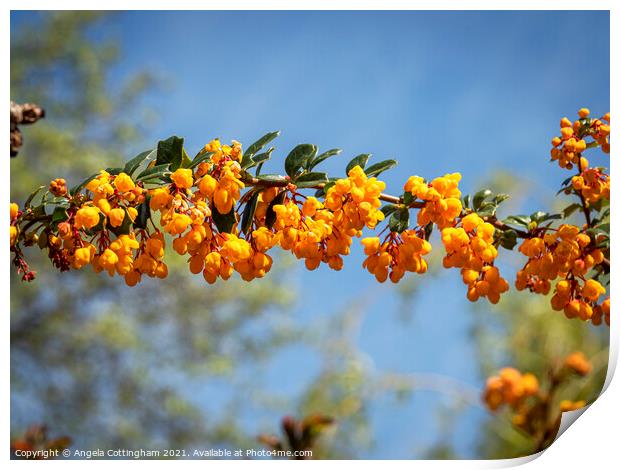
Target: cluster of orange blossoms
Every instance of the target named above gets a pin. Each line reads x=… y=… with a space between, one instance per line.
x=442 y=203
x=523 y=394
x=471 y=248
x=567 y=148
x=510 y=387
x=567 y=255
x=592 y=183
x=398 y=254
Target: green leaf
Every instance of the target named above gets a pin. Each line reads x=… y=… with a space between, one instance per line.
x=59 y=215
x=479 y=197
x=523 y=220
x=115 y=170
x=487 y=209
x=378 y=168
x=263 y=157
x=258 y=159
x=499 y=198
x=399 y=220
x=144 y=213
x=186 y=162
x=133 y=164
x=124 y=228
x=33 y=194
x=541 y=216
x=324 y=156
x=569 y=210
x=428 y=230
x=312 y=176
x=323 y=191
x=224 y=222
x=272 y=178
x=270 y=216
x=408 y=198
x=508 y=239
x=248 y=213
x=79 y=187
x=467 y=201
x=360 y=160
x=201 y=157
x=170 y=151
x=604 y=227
x=156 y=171
x=387 y=209
x=258 y=145
x=298 y=158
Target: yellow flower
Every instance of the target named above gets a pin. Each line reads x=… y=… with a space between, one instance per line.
x=87 y=217
x=116 y=216
x=183 y=178
x=14 y=210
x=123 y=182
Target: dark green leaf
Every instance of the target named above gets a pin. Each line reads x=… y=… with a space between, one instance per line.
x=360 y=160
x=272 y=177
x=201 y=157
x=312 y=176
x=399 y=220
x=59 y=215
x=186 y=162
x=428 y=230
x=569 y=210
x=124 y=228
x=224 y=222
x=479 y=197
x=508 y=239
x=132 y=165
x=270 y=216
x=258 y=145
x=324 y=156
x=378 y=168
x=248 y=213
x=154 y=172
x=33 y=195
x=541 y=216
x=499 y=198
x=387 y=209
x=523 y=220
x=170 y=151
x=79 y=187
x=298 y=158
x=115 y=170
x=256 y=159
x=487 y=209
x=144 y=213
x=323 y=191
x=467 y=201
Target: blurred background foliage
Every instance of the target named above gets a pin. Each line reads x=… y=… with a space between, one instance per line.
x=178 y=363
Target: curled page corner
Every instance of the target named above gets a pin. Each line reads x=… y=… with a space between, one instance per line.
x=568 y=418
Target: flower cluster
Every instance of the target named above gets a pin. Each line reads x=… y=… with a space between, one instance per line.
x=471 y=248
x=442 y=203
x=398 y=254
x=592 y=183
x=578 y=363
x=534 y=406
x=566 y=254
x=568 y=147
x=510 y=387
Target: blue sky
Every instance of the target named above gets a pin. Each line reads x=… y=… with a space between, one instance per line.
x=439 y=91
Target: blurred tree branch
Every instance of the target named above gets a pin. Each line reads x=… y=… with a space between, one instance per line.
x=27 y=113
